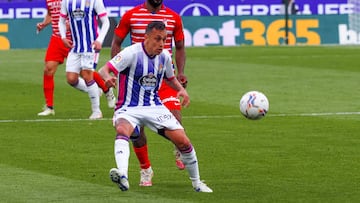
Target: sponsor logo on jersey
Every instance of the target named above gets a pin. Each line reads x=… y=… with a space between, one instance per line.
x=148 y=82
x=78 y=14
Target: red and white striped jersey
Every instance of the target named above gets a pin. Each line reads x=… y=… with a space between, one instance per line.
x=136 y=20
x=54 y=7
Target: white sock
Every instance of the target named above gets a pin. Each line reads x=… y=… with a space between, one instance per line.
x=81 y=85
x=122 y=154
x=93 y=91
x=192 y=166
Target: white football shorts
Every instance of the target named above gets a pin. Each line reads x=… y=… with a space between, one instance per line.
x=78 y=61
x=156 y=118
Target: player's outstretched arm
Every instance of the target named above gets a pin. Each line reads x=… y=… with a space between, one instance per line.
x=105 y=73
x=182 y=93
x=116 y=45
x=180 y=57
x=47 y=20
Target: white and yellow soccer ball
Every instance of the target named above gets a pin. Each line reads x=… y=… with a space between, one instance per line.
x=254 y=105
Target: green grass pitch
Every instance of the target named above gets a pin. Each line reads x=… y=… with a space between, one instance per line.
x=305 y=150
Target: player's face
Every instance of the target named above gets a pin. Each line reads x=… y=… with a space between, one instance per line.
x=155 y=3
x=154 y=41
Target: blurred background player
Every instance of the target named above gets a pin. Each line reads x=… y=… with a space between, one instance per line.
x=149 y=11
x=85 y=43
x=139 y=70
x=55 y=55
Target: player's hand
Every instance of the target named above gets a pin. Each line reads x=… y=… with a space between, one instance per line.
x=111 y=82
x=96 y=46
x=40 y=26
x=68 y=43
x=182 y=79
x=185 y=102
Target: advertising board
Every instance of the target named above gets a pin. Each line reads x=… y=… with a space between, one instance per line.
x=219 y=31
x=18 y=9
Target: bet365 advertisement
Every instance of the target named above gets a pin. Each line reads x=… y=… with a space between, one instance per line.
x=270 y=30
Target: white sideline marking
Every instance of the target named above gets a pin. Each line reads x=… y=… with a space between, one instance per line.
x=189 y=117
x=318 y=114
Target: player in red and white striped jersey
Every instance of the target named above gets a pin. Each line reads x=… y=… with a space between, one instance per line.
x=135 y=22
x=55 y=54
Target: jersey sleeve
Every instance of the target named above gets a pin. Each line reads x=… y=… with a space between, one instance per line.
x=63 y=10
x=100 y=8
x=62 y=19
x=102 y=13
x=123 y=28
x=122 y=60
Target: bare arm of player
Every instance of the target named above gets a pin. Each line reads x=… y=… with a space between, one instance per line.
x=180 y=57
x=44 y=23
x=182 y=93
x=110 y=80
x=116 y=45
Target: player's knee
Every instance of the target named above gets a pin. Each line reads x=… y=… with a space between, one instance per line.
x=72 y=80
x=120 y=130
x=184 y=147
x=138 y=141
x=183 y=144
x=49 y=70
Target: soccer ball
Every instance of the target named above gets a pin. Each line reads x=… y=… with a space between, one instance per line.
x=254 y=105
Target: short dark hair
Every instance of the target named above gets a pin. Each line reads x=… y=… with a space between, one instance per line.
x=158 y=25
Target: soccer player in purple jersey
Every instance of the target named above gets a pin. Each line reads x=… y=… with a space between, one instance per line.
x=86 y=42
x=138 y=72
x=130 y=23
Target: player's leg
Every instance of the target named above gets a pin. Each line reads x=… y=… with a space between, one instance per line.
x=189 y=158
x=141 y=150
x=93 y=93
x=73 y=67
x=122 y=150
x=75 y=81
x=169 y=98
x=48 y=87
x=172 y=106
x=173 y=130
x=55 y=55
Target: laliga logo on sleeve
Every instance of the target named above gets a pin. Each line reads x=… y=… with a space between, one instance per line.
x=196 y=9
x=116 y=59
